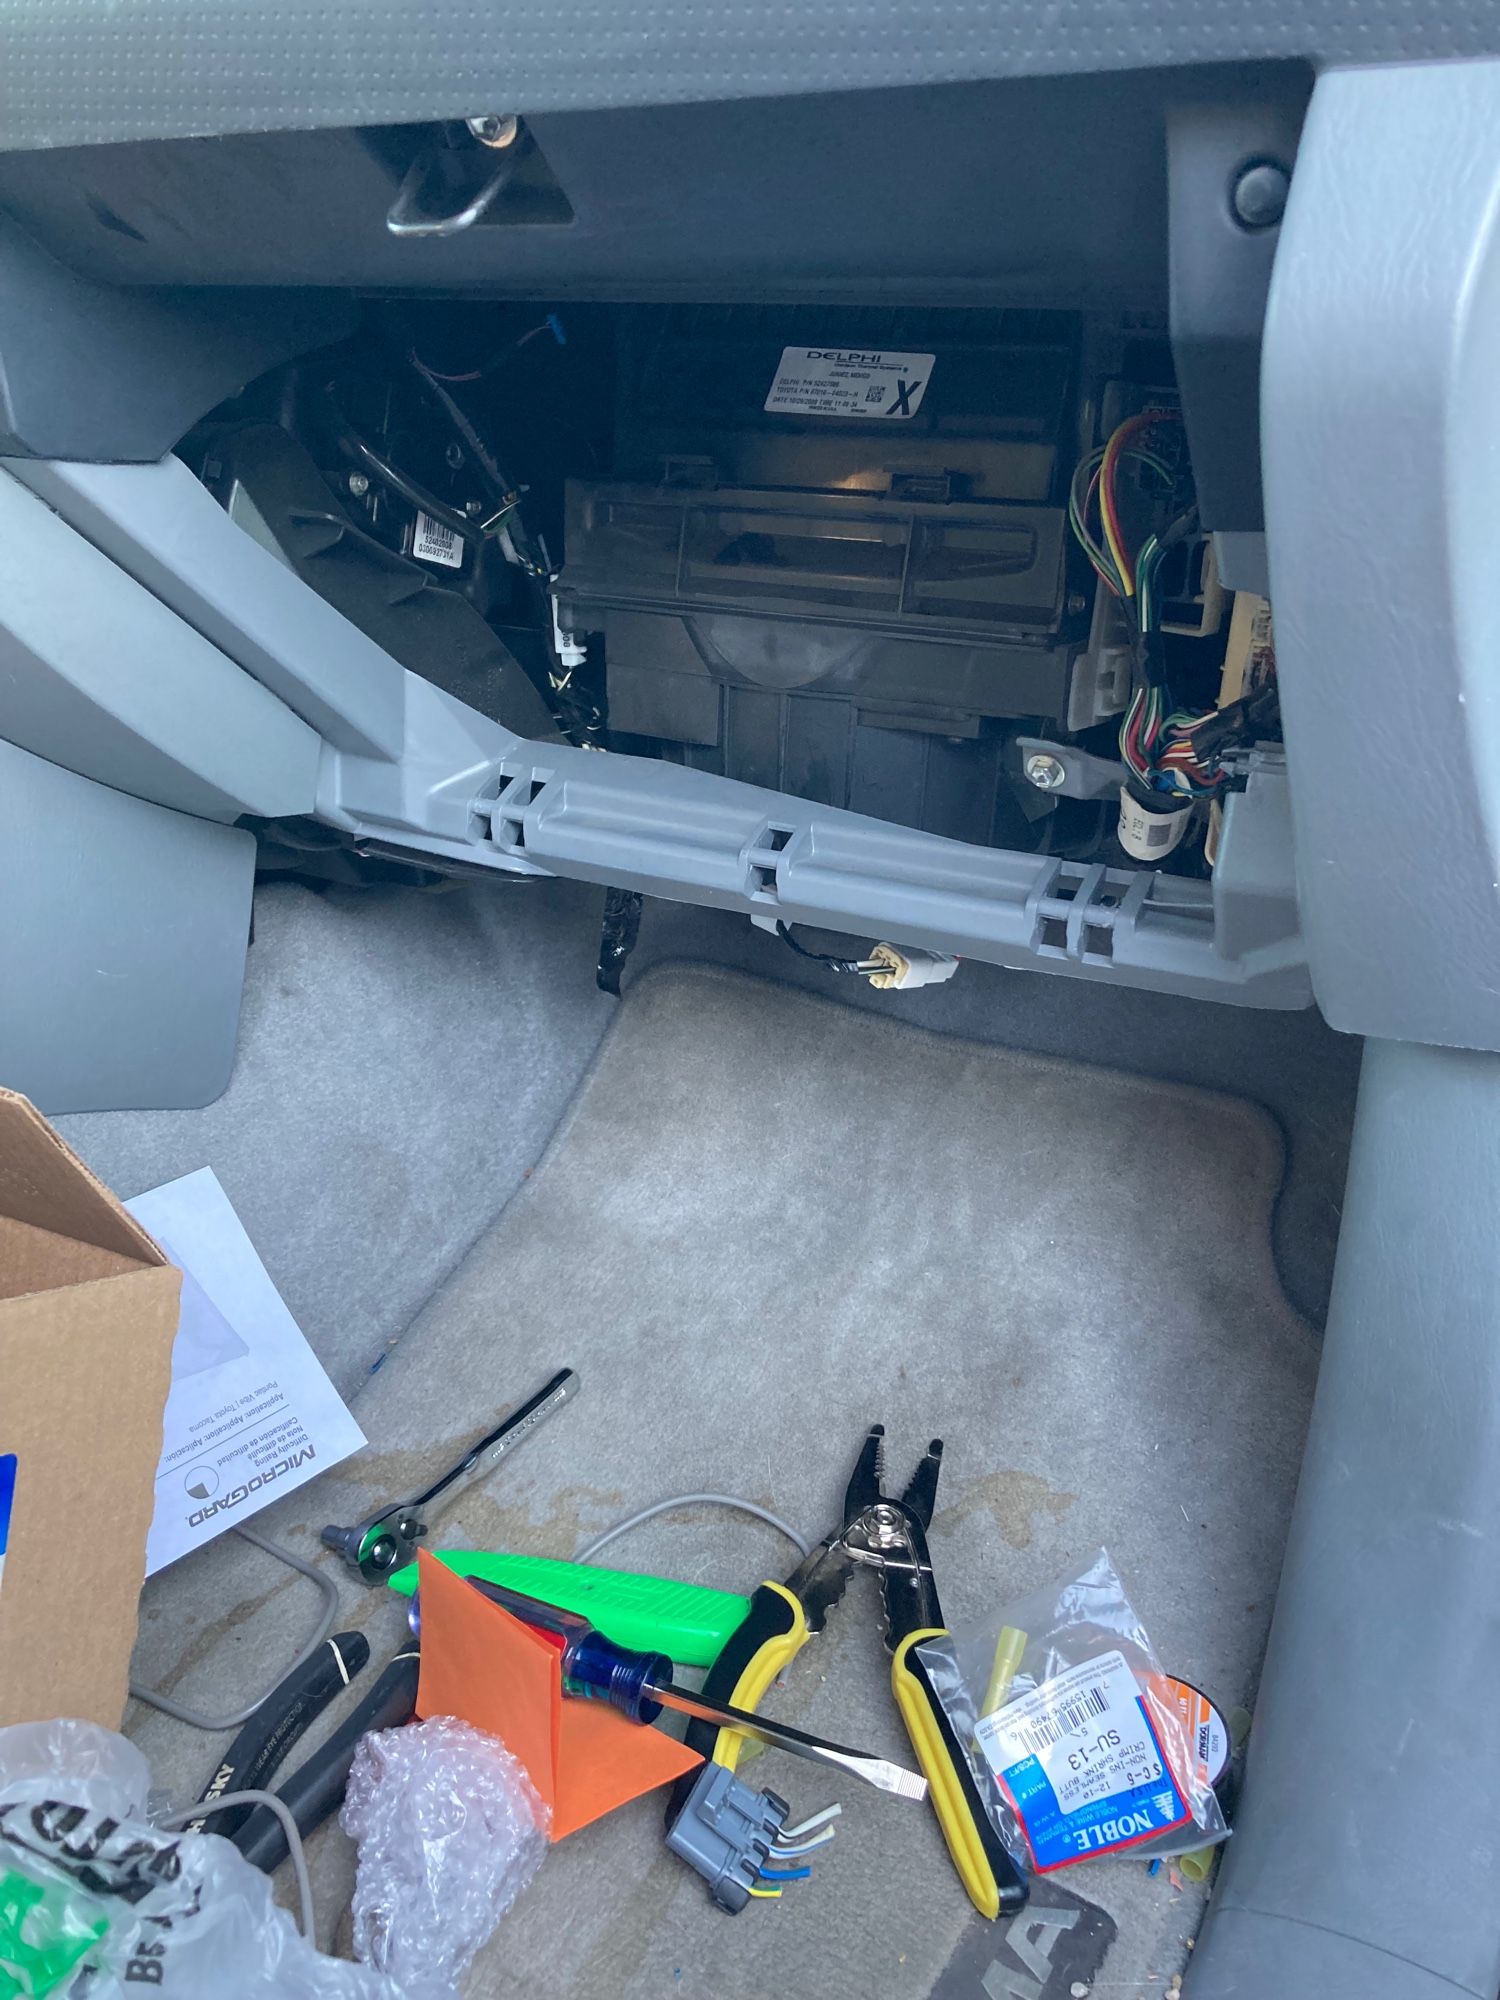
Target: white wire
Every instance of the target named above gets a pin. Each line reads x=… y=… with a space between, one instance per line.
x=803 y=1846
x=293 y=1840
x=807 y=1826
x=692 y=1500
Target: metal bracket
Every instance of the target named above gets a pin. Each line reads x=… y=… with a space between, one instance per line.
x=1068 y=772
x=443 y=194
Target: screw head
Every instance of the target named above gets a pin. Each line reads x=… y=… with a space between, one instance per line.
x=473 y=507
x=495 y=129
x=1259 y=194
x=1044 y=771
x=453 y=455
x=359 y=485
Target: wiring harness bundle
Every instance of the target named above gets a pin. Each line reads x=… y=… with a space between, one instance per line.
x=500 y=517
x=1165 y=748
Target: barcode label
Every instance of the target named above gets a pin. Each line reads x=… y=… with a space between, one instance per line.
x=1081 y=1763
x=432 y=542
x=1074 y=1717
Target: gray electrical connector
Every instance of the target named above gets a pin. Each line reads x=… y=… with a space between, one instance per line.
x=726 y=1831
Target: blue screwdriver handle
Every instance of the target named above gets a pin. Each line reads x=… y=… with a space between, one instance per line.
x=592 y=1666
x=602 y=1671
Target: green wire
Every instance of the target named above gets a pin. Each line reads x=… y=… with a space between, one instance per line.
x=1099 y=555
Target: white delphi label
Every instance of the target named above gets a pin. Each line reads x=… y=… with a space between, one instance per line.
x=432 y=542
x=849 y=382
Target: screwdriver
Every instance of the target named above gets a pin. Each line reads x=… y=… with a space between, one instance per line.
x=640 y=1685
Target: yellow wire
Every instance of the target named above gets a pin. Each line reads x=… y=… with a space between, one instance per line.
x=769 y=1895
x=1106 y=470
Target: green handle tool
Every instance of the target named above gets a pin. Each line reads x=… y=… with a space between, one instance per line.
x=651 y=1614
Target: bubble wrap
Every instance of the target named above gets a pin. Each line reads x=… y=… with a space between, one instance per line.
x=450 y=1831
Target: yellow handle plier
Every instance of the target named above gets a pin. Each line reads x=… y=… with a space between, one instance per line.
x=890 y=1537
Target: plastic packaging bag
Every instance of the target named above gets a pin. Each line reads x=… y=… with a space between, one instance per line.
x=1079 y=1742
x=450 y=1831
x=95 y=1899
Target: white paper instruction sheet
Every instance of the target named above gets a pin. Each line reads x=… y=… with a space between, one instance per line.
x=251 y=1415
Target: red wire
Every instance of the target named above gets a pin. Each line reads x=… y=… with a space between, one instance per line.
x=1108 y=508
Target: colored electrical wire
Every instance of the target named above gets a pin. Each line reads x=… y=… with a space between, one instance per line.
x=1156 y=738
x=1157 y=746
x=551 y=324
x=1082 y=495
x=782 y=1852
x=1163 y=747
x=785 y=1874
x=766 y=1895
x=1109 y=511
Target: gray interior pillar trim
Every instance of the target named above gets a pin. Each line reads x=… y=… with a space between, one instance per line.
x=165 y=528
x=89 y=371
x=1380 y=407
x=1241 y=559
x=101 y=677
x=1254 y=882
x=1275 y=1956
x=1364 y=1862
x=123 y=929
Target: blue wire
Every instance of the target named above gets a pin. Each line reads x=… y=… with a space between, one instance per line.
x=784 y=1874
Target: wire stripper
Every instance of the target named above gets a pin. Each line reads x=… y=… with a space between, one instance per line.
x=888 y=1536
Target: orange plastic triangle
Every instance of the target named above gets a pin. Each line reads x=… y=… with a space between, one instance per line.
x=488 y=1669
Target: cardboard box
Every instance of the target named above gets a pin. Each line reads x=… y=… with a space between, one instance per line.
x=88 y=1312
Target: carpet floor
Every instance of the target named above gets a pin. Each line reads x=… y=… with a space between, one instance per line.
x=765 y=1222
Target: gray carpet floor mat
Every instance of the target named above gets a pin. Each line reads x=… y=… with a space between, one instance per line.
x=764 y=1223
x=1294 y=1064
x=402 y=1060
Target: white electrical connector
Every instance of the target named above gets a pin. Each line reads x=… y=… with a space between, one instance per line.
x=906 y=967
x=571 y=650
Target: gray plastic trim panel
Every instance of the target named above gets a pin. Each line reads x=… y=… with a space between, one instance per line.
x=123 y=930
x=1365 y=1848
x=690 y=837
x=99 y=676
x=407 y=766
x=76 y=73
x=1380 y=404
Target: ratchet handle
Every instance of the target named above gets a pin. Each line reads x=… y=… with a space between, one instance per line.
x=386 y=1541
x=996 y=1886
x=519 y=1425
x=773 y=1632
